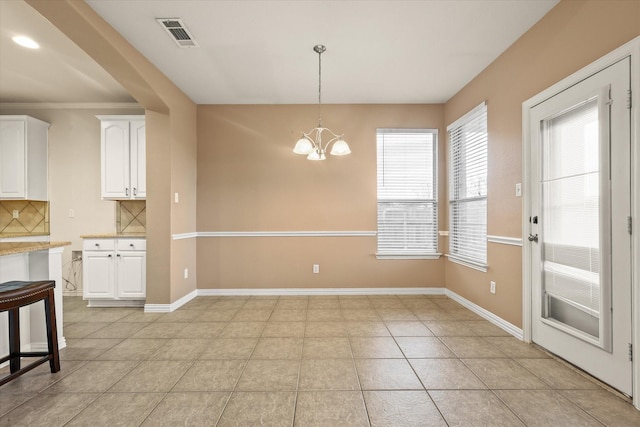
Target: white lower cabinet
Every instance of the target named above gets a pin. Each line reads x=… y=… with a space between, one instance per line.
x=114 y=272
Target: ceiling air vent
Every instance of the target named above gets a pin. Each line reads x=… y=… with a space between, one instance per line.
x=178 y=31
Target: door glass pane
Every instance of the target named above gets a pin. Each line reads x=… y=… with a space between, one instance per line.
x=571 y=218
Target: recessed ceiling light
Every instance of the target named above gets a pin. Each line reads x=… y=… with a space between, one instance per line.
x=25 y=42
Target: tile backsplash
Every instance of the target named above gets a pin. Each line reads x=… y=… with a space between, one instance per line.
x=33 y=217
x=131 y=216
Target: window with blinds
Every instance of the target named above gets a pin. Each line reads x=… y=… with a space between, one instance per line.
x=407 y=192
x=468 y=188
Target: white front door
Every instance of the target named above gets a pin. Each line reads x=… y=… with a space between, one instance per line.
x=579 y=225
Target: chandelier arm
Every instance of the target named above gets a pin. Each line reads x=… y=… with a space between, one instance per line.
x=333 y=138
x=312 y=140
x=331 y=141
x=316 y=140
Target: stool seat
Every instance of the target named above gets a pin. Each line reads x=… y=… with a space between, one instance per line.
x=14 y=295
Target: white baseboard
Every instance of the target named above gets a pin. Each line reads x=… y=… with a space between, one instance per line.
x=44 y=346
x=498 y=321
x=36 y=346
x=322 y=291
x=168 y=308
x=115 y=303
x=76 y=293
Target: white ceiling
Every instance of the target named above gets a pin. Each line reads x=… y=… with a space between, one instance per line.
x=261 y=51
x=57 y=72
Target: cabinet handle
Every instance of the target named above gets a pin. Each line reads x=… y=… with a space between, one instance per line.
x=118 y=255
x=135 y=191
x=131 y=244
x=97 y=245
x=126 y=191
x=109 y=256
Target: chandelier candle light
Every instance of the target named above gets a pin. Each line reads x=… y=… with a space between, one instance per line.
x=310 y=144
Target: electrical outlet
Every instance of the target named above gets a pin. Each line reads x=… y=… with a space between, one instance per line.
x=176 y=198
x=16 y=214
x=316 y=268
x=492 y=288
x=186 y=273
x=72 y=213
x=518 y=190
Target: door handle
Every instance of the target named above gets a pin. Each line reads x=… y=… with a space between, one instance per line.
x=533 y=238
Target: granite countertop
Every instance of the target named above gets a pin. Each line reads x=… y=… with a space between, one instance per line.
x=25 y=234
x=114 y=236
x=11 y=248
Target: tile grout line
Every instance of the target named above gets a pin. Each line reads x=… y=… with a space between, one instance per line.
x=343 y=322
x=416 y=374
x=355 y=368
x=235 y=386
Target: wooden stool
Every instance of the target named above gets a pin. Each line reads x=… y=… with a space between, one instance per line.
x=14 y=295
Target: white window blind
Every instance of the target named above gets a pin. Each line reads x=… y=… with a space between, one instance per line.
x=575 y=260
x=407 y=192
x=468 y=188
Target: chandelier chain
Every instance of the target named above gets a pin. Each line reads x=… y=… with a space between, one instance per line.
x=320 y=78
x=320 y=84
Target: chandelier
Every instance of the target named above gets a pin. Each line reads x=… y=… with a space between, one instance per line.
x=310 y=143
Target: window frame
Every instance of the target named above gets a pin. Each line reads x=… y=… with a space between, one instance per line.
x=454 y=198
x=409 y=254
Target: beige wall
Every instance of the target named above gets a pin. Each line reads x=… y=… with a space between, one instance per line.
x=250 y=180
x=570 y=36
x=171 y=142
x=74 y=175
x=183 y=181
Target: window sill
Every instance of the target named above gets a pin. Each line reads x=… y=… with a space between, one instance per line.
x=470 y=264
x=407 y=256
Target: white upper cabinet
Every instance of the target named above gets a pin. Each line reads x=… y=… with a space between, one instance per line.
x=123 y=150
x=23 y=158
x=138 y=159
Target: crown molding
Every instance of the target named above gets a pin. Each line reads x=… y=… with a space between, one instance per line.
x=70 y=106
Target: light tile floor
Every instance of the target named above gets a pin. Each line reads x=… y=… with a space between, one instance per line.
x=303 y=361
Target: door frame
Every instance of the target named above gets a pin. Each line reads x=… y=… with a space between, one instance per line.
x=631 y=49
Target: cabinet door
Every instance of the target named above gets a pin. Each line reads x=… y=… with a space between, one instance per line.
x=98 y=278
x=115 y=159
x=12 y=159
x=132 y=277
x=138 y=160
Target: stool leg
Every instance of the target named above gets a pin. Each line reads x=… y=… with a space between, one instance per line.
x=14 y=340
x=52 y=332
